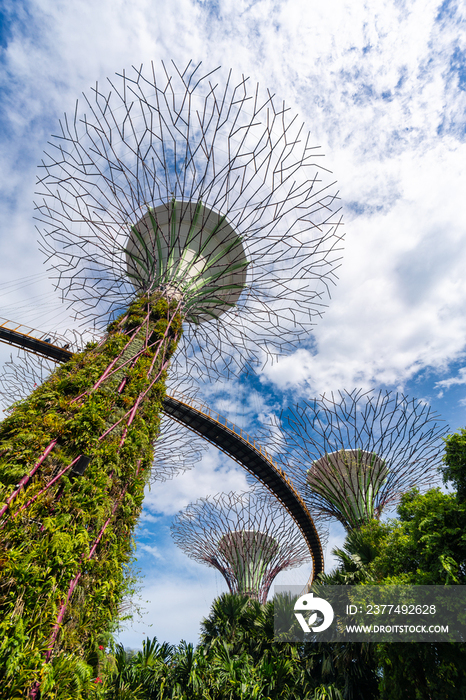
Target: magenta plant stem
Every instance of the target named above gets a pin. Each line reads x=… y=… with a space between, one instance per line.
x=138 y=401
x=34 y=693
x=132 y=410
x=51 y=482
x=26 y=478
x=107 y=371
x=75 y=580
x=115 y=360
x=111 y=369
x=122 y=385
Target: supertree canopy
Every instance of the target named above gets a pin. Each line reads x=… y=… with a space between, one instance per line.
x=189 y=216
x=201 y=190
x=249 y=537
x=354 y=453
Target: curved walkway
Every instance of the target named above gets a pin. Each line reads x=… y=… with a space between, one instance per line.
x=213 y=427
x=238 y=445
x=29 y=339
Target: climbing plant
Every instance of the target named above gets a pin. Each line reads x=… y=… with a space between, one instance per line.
x=74 y=460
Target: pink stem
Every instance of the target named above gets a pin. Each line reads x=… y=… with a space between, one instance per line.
x=46 y=487
x=147 y=346
x=153 y=361
x=26 y=478
x=131 y=360
x=107 y=370
x=34 y=693
x=122 y=385
x=111 y=365
x=112 y=427
x=75 y=580
x=58 y=622
x=138 y=401
x=147 y=333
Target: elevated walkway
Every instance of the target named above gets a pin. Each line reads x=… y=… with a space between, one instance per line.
x=238 y=445
x=29 y=339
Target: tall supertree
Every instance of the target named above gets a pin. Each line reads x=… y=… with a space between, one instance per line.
x=188 y=216
x=249 y=537
x=354 y=453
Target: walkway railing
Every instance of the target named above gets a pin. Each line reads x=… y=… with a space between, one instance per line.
x=239 y=432
x=32 y=340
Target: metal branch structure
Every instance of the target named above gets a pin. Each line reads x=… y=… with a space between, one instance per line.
x=248 y=537
x=176 y=450
x=199 y=188
x=29 y=369
x=354 y=453
x=189 y=219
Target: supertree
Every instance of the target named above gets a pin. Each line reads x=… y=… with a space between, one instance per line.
x=189 y=218
x=353 y=454
x=249 y=537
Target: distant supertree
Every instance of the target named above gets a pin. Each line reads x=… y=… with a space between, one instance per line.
x=189 y=216
x=355 y=453
x=249 y=537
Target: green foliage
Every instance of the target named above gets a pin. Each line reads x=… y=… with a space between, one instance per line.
x=72 y=538
x=455 y=462
x=426 y=545
x=237 y=659
x=359 y=550
x=419 y=671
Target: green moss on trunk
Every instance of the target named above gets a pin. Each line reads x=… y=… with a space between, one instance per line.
x=65 y=546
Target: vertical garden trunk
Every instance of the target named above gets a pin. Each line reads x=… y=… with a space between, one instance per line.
x=74 y=459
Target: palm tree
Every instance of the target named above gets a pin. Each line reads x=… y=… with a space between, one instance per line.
x=139 y=675
x=123 y=682
x=231 y=619
x=355 y=559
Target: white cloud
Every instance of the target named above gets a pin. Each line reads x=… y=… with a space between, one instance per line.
x=173 y=607
x=447 y=383
x=216 y=473
x=152 y=550
x=399 y=304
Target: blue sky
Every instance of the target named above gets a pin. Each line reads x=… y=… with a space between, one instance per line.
x=382 y=88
